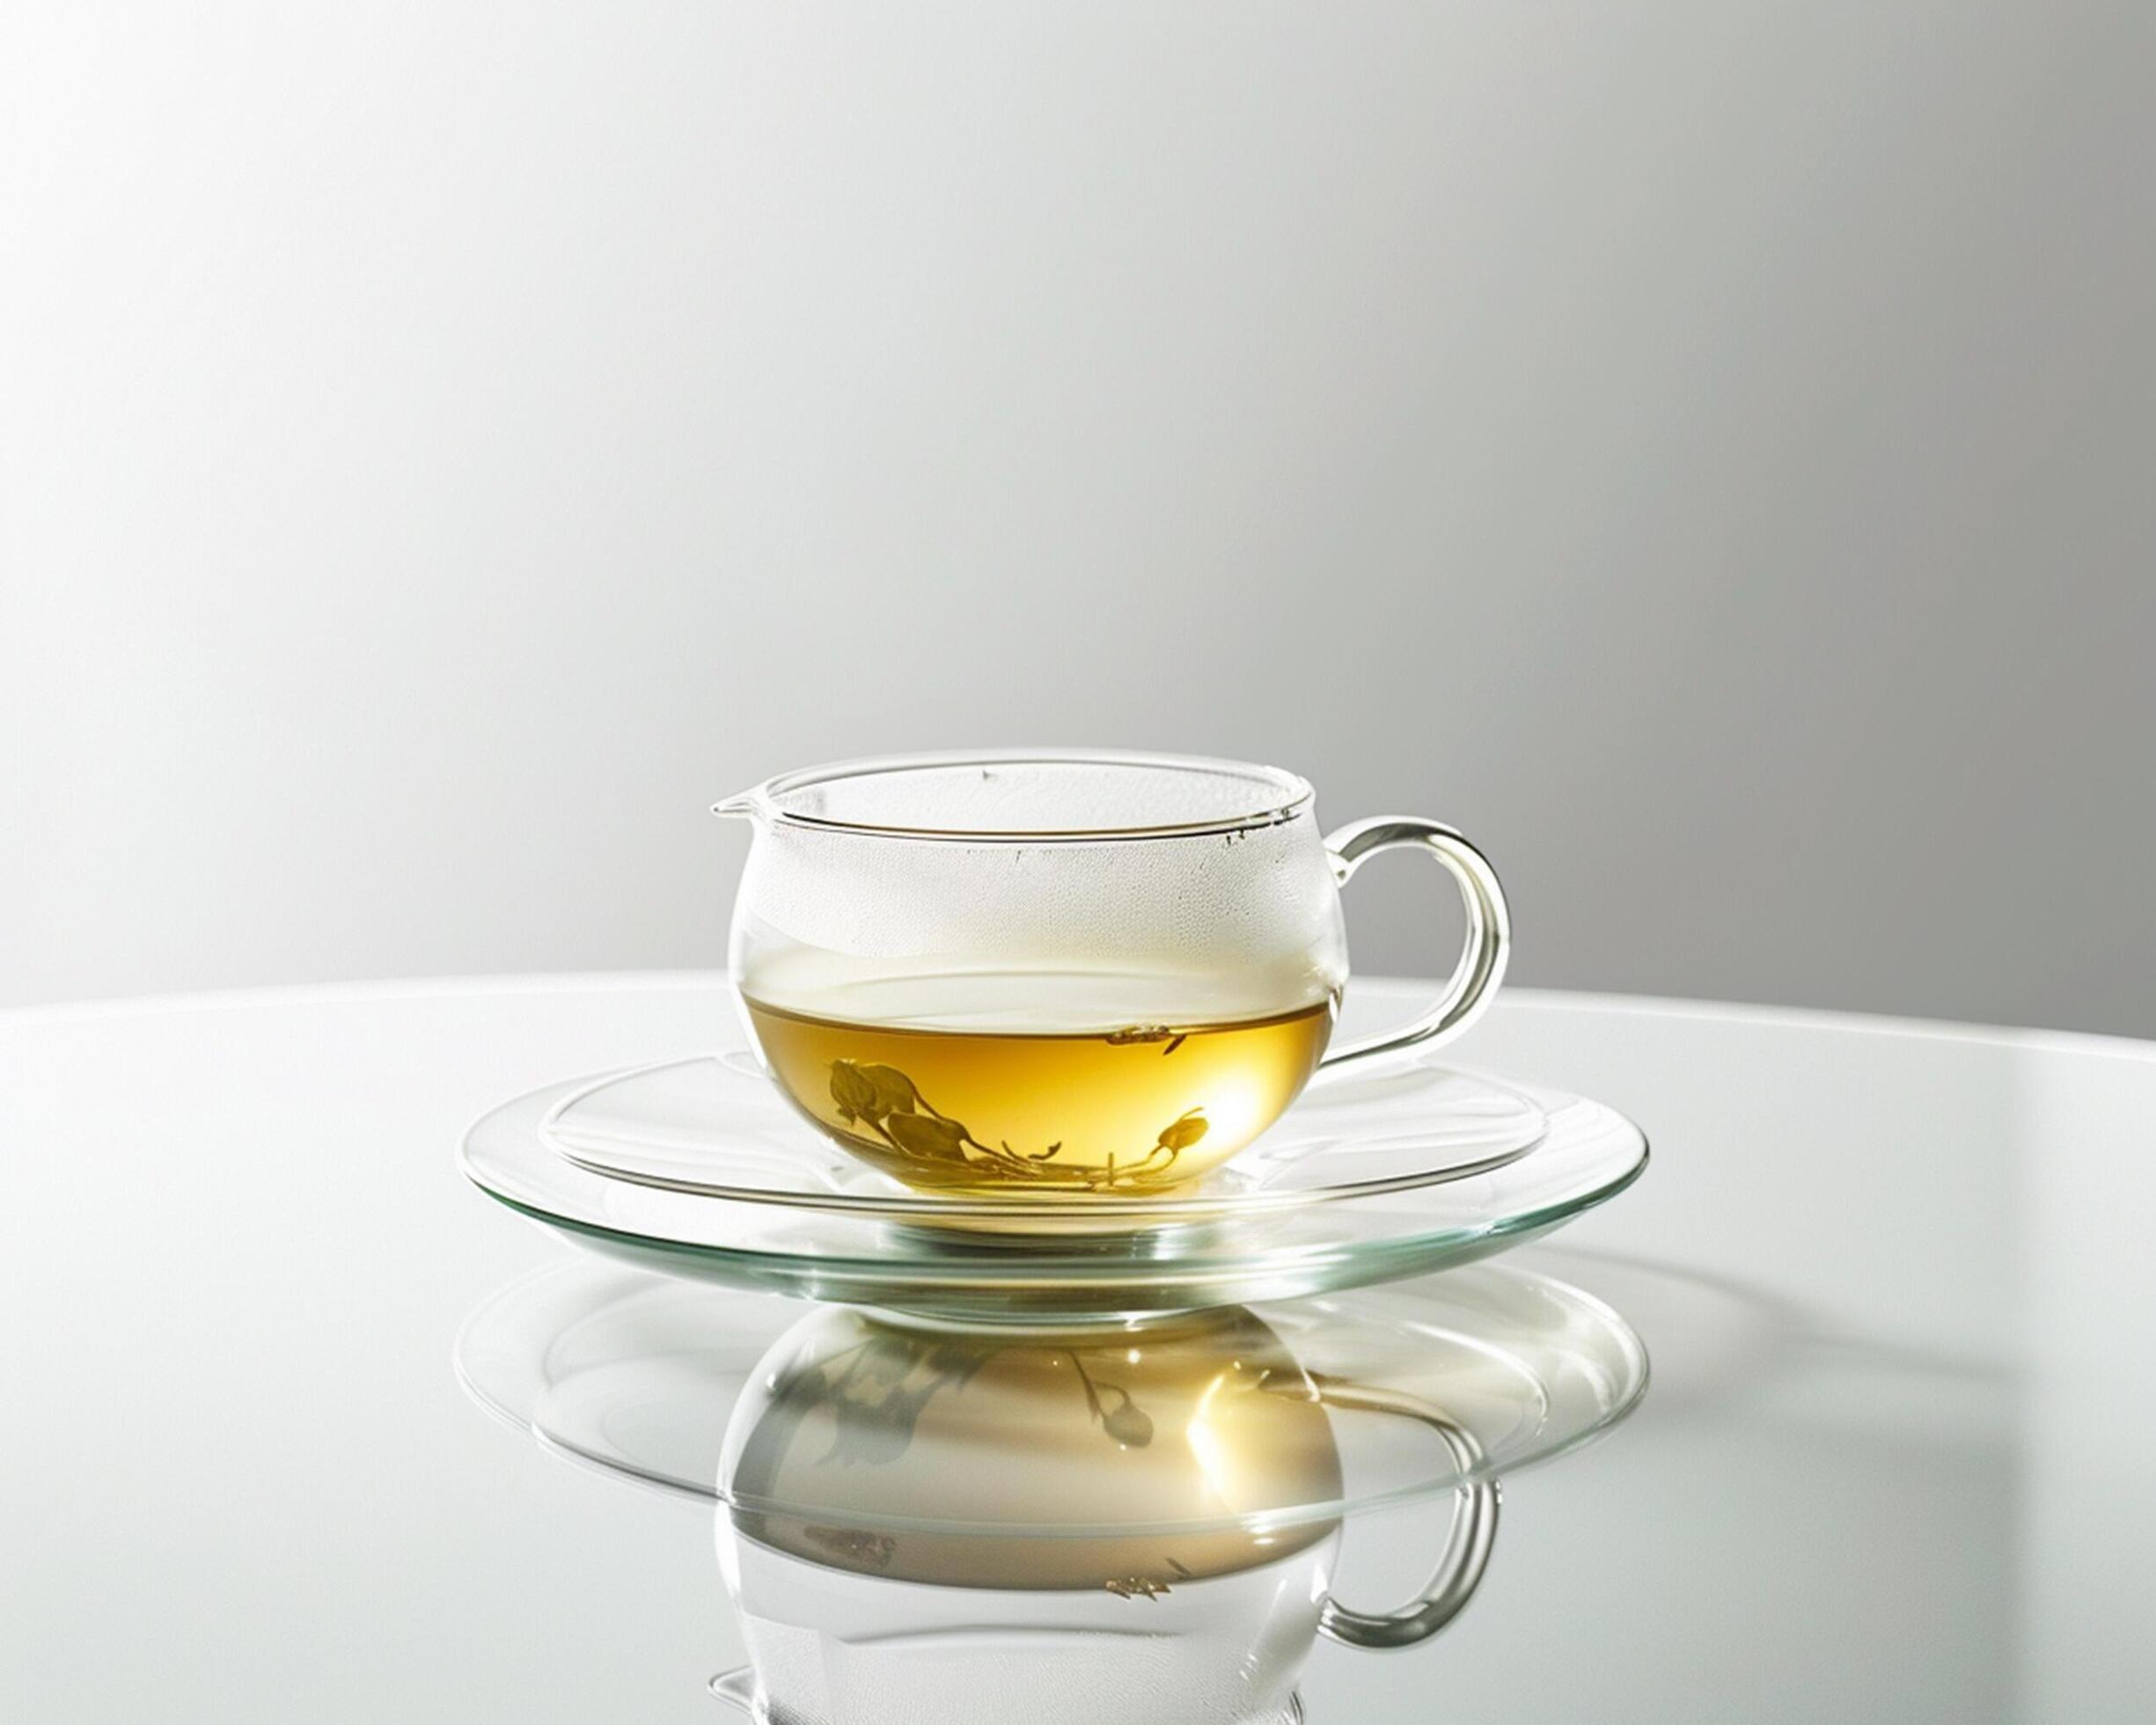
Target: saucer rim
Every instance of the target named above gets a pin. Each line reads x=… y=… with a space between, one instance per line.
x=912 y=1207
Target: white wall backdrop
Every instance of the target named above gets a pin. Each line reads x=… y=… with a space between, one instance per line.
x=1703 y=450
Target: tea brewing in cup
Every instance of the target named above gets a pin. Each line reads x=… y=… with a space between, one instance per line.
x=1053 y=972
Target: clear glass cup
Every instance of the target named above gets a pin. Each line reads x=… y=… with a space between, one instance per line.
x=1051 y=972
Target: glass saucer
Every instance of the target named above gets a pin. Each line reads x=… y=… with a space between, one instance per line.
x=715 y=1126
x=1024 y=1274
x=638 y=1378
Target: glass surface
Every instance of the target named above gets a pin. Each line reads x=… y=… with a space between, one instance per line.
x=906 y=1510
x=1894 y=1280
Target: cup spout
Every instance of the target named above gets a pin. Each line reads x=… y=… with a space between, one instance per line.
x=742 y=806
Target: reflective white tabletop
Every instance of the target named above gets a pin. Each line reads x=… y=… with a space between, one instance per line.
x=1894 y=1280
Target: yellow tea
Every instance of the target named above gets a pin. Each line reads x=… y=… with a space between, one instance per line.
x=1135 y=1109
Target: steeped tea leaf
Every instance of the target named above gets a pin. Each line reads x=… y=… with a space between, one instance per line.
x=927 y=1134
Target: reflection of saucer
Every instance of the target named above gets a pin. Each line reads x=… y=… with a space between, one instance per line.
x=1299 y=1241
x=716 y=1126
x=638 y=1378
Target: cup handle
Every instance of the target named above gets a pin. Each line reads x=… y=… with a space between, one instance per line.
x=1467 y=1548
x=1489 y=926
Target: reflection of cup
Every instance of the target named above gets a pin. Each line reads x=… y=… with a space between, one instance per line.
x=934 y=1526
x=1062 y=972
x=832 y=1648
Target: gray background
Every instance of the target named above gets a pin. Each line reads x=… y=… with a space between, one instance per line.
x=1702 y=450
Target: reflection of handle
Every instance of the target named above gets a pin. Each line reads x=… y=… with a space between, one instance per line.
x=1489 y=928
x=1467 y=1548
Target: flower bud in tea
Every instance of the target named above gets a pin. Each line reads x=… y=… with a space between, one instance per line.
x=1184 y=1132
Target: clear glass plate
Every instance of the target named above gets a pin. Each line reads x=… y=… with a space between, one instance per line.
x=1315 y=1239
x=715 y=1126
x=640 y=1379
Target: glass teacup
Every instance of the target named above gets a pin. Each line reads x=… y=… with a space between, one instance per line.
x=1053 y=972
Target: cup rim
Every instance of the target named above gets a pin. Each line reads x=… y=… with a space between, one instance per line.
x=1278 y=796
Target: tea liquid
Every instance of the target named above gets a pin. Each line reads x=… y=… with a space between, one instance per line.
x=1135 y=1109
